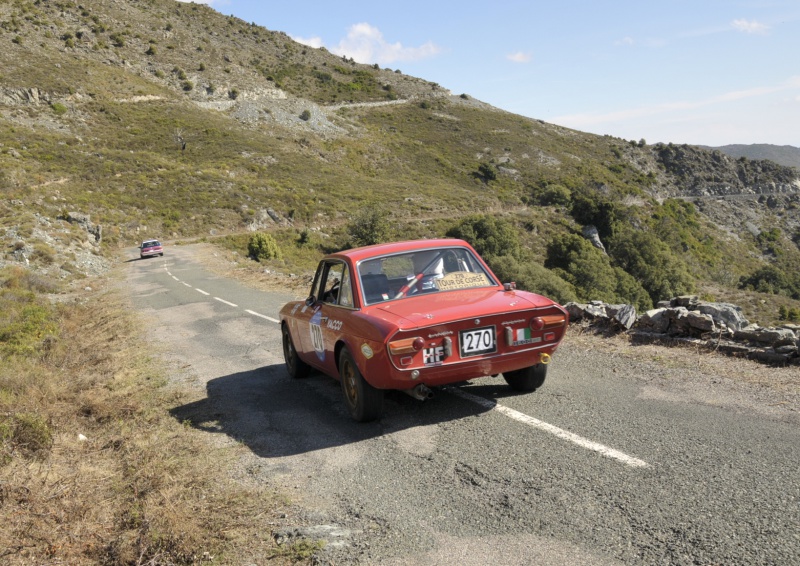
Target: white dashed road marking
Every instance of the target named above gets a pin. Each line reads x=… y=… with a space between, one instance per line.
x=201 y=291
x=269 y=318
x=224 y=301
x=560 y=433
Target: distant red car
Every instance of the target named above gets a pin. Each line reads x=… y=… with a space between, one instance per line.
x=150 y=248
x=415 y=315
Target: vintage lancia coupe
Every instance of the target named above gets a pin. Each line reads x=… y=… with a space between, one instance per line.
x=416 y=315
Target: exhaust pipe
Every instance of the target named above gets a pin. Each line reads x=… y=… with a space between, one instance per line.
x=420 y=392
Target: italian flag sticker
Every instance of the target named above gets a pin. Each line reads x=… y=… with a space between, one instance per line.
x=523 y=334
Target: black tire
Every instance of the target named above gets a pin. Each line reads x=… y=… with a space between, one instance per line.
x=364 y=402
x=295 y=367
x=526 y=379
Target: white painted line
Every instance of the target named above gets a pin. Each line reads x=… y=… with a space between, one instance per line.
x=269 y=318
x=175 y=278
x=559 y=432
x=201 y=291
x=185 y=283
x=224 y=301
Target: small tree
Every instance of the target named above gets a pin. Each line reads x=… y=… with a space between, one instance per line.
x=370 y=226
x=487 y=171
x=263 y=247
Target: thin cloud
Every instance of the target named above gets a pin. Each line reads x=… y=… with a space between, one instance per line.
x=625 y=41
x=365 y=44
x=587 y=119
x=747 y=26
x=520 y=57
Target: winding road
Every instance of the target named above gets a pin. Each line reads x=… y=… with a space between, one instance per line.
x=627 y=455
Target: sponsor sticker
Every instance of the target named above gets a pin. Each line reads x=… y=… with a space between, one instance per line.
x=367 y=351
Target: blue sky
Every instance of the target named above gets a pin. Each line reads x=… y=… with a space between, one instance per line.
x=711 y=72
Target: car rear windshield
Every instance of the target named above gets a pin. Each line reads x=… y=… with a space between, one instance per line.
x=414 y=273
x=151 y=244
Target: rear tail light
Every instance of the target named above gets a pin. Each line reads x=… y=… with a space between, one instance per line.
x=537 y=323
x=406 y=346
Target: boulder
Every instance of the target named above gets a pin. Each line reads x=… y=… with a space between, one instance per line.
x=590 y=233
x=724 y=313
x=769 y=336
x=624 y=316
x=654 y=320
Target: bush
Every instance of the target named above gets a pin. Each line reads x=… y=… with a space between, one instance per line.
x=768 y=279
x=370 y=226
x=489 y=236
x=487 y=172
x=305 y=115
x=58 y=108
x=263 y=247
x=533 y=277
x=555 y=195
x=652 y=263
x=577 y=261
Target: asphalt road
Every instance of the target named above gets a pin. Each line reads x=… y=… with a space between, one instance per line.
x=616 y=460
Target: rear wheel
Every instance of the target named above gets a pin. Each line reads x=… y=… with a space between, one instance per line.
x=296 y=367
x=364 y=402
x=526 y=379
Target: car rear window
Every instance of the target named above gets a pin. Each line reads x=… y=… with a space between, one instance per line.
x=429 y=270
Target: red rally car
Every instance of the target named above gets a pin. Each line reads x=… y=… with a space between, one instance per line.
x=415 y=315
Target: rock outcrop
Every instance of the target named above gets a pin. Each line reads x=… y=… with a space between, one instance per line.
x=718 y=326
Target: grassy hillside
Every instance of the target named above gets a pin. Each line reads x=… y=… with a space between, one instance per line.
x=165 y=119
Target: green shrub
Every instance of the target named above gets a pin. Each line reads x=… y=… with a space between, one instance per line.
x=651 y=262
x=489 y=236
x=487 y=172
x=534 y=277
x=58 y=108
x=370 y=226
x=590 y=272
x=305 y=115
x=555 y=195
x=263 y=247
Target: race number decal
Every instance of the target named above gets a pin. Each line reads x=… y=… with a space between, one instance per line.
x=316 y=335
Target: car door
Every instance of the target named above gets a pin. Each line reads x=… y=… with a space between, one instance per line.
x=333 y=301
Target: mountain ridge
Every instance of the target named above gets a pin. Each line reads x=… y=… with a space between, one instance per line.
x=787 y=155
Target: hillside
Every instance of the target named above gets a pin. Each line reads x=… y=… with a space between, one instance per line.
x=152 y=118
x=786 y=155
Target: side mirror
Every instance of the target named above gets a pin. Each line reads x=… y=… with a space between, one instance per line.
x=311 y=300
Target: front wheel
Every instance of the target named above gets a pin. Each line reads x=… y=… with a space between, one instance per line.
x=296 y=367
x=364 y=402
x=526 y=379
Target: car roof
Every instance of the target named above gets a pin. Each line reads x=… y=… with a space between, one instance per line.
x=150 y=242
x=357 y=254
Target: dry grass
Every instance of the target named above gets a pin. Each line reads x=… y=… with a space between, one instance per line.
x=94 y=470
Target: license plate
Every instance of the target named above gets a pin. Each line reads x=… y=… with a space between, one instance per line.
x=478 y=341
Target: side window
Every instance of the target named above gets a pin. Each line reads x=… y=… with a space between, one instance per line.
x=333 y=282
x=316 y=287
x=346 y=291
